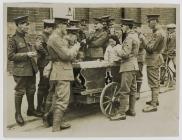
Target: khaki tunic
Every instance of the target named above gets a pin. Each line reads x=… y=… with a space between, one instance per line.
x=62 y=71
x=154 y=59
x=129 y=64
x=24 y=68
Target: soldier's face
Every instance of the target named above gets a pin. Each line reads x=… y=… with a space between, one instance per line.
x=171 y=30
x=24 y=27
x=62 y=28
x=152 y=24
x=124 y=28
x=112 y=42
x=98 y=26
x=49 y=30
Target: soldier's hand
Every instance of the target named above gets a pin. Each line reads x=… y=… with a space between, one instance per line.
x=77 y=44
x=84 y=41
x=141 y=36
x=38 y=43
x=31 y=54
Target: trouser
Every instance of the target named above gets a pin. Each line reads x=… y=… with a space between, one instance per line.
x=139 y=77
x=154 y=82
x=128 y=87
x=48 y=105
x=24 y=85
x=43 y=88
x=60 y=102
x=59 y=94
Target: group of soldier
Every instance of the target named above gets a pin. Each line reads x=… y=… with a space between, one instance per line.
x=64 y=41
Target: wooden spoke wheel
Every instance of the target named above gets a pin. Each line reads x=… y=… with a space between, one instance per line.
x=109 y=99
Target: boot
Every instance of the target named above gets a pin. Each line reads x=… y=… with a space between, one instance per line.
x=118 y=117
x=47 y=119
x=153 y=104
x=18 y=116
x=155 y=93
x=57 y=117
x=131 y=110
x=139 y=84
x=40 y=102
x=31 y=110
x=122 y=108
x=65 y=125
x=150 y=103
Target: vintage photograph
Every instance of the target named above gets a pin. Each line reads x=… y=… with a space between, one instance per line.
x=91 y=70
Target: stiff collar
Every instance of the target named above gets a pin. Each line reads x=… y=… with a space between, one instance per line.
x=20 y=33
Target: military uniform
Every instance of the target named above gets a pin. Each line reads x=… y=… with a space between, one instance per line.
x=153 y=61
x=97 y=45
x=128 y=68
x=141 y=59
x=42 y=61
x=24 y=70
x=62 y=72
x=171 y=44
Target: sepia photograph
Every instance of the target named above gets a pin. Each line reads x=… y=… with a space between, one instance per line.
x=91 y=70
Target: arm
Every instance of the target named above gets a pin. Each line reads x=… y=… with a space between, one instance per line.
x=40 y=46
x=154 y=43
x=125 y=49
x=106 y=55
x=63 y=51
x=101 y=40
x=13 y=55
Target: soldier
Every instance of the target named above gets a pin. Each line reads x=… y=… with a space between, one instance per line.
x=43 y=60
x=171 y=42
x=128 y=54
x=140 y=58
x=97 y=43
x=75 y=23
x=154 y=59
x=23 y=55
x=62 y=71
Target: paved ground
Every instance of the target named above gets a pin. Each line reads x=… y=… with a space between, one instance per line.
x=89 y=121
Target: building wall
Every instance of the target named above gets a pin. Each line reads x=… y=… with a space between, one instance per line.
x=168 y=15
x=36 y=15
x=81 y=13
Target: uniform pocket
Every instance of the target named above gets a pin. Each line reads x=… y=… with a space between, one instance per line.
x=19 y=65
x=67 y=66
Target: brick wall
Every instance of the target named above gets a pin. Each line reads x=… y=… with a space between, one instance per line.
x=81 y=13
x=133 y=13
x=168 y=15
x=36 y=15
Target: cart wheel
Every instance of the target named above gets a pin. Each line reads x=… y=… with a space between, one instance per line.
x=109 y=99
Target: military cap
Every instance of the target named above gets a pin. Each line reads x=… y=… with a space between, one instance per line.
x=97 y=19
x=127 y=21
x=83 y=22
x=153 y=17
x=49 y=23
x=62 y=20
x=74 y=22
x=171 y=26
x=137 y=24
x=72 y=29
x=105 y=17
x=21 y=19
